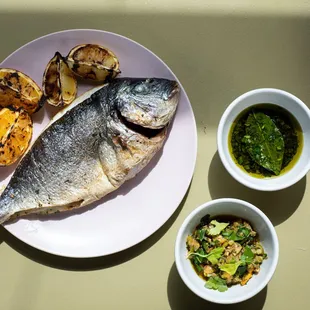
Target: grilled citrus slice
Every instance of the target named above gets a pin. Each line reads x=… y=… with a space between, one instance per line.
x=59 y=83
x=19 y=90
x=93 y=62
x=15 y=135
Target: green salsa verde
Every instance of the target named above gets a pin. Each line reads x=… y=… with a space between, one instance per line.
x=287 y=131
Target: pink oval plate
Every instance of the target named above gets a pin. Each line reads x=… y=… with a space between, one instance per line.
x=143 y=204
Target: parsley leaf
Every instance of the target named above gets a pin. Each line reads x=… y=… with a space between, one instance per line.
x=197 y=264
x=214 y=255
x=227 y=233
x=247 y=256
x=230 y=268
x=205 y=246
x=200 y=234
x=242 y=270
x=200 y=258
x=243 y=232
x=241 y=235
x=217 y=229
x=216 y=283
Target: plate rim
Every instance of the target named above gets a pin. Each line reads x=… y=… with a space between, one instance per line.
x=193 y=164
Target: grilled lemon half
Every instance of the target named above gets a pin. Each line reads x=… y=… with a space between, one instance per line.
x=15 y=135
x=93 y=62
x=18 y=90
x=59 y=83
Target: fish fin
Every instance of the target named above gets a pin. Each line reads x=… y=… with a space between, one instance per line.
x=43 y=210
x=110 y=164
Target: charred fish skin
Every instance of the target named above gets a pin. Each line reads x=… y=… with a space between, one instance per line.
x=93 y=148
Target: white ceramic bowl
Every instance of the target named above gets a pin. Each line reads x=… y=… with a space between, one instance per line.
x=280 y=98
x=268 y=238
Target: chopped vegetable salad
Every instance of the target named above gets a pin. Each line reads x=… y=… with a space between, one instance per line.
x=225 y=251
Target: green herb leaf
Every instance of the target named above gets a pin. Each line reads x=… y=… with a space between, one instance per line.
x=226 y=234
x=218 y=227
x=199 y=268
x=214 y=255
x=205 y=246
x=264 y=142
x=200 y=234
x=197 y=263
x=234 y=236
x=241 y=270
x=191 y=254
x=242 y=234
x=216 y=283
x=247 y=256
x=217 y=243
x=230 y=268
x=202 y=253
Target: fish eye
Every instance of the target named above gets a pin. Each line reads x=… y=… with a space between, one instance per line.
x=141 y=89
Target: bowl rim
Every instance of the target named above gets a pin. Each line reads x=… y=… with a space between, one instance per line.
x=179 y=242
x=231 y=171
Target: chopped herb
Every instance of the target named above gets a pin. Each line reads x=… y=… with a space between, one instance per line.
x=218 y=227
x=241 y=270
x=247 y=256
x=214 y=255
x=196 y=262
x=217 y=243
x=200 y=234
x=216 y=283
x=205 y=246
x=242 y=234
x=230 y=268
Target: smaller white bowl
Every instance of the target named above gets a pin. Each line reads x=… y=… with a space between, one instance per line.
x=272 y=96
x=260 y=223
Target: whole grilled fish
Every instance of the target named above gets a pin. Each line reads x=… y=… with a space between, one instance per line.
x=91 y=148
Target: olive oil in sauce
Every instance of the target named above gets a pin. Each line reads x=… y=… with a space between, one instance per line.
x=289 y=128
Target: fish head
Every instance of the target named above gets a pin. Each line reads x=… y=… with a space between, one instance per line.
x=147 y=102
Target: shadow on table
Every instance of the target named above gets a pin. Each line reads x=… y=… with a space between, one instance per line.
x=216 y=55
x=84 y=264
x=278 y=205
x=182 y=298
x=2 y=234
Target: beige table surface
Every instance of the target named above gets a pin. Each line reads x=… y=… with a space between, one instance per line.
x=219 y=50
